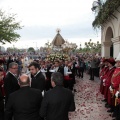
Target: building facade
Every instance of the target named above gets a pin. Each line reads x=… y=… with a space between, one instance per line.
x=110 y=36
x=108 y=19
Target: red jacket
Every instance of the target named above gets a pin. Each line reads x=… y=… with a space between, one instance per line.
x=105 y=71
x=115 y=80
x=109 y=76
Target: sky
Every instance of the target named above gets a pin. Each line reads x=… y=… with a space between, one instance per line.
x=41 y=18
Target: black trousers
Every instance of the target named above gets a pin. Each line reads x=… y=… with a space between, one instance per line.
x=68 y=84
x=1 y=110
x=92 y=73
x=117 y=112
x=47 y=85
x=77 y=71
x=81 y=71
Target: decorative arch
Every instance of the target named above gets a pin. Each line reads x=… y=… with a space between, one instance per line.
x=108 y=39
x=109 y=34
x=105 y=30
x=110 y=25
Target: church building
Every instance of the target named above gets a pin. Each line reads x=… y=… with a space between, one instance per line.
x=108 y=19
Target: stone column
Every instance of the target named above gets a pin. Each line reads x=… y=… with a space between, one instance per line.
x=106 y=49
x=116 y=46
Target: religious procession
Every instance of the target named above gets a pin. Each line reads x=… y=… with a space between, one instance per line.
x=14 y=69
x=77 y=78
x=22 y=72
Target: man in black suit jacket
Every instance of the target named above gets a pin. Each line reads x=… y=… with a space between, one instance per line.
x=57 y=102
x=25 y=103
x=59 y=68
x=38 y=79
x=10 y=81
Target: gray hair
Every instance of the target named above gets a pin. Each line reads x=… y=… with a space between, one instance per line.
x=57 y=77
x=12 y=64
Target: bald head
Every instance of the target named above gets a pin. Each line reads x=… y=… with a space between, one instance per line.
x=24 y=80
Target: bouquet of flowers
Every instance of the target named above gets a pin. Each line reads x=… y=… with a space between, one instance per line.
x=53 y=57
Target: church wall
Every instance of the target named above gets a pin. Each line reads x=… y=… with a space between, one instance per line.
x=106 y=40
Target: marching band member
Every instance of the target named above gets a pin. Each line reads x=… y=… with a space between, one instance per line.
x=107 y=83
x=102 y=74
x=115 y=81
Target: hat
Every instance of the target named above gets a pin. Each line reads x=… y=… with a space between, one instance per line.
x=111 y=61
x=118 y=57
x=105 y=60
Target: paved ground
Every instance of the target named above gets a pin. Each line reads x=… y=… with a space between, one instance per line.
x=88 y=101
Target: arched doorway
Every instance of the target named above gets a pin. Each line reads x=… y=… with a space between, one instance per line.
x=108 y=38
x=111 y=50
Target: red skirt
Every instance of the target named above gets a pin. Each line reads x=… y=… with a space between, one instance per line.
x=67 y=78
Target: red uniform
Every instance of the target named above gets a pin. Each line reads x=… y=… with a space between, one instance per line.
x=107 y=94
x=103 y=76
x=115 y=81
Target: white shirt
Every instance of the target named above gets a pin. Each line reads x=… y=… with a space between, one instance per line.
x=56 y=69
x=65 y=71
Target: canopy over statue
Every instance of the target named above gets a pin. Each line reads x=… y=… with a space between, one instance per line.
x=58 y=40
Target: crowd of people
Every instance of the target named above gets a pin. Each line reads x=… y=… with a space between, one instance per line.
x=43 y=89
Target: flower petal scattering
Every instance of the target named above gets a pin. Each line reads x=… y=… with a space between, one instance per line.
x=88 y=101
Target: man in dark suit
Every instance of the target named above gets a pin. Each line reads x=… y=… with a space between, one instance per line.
x=10 y=81
x=57 y=102
x=58 y=68
x=25 y=103
x=38 y=79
